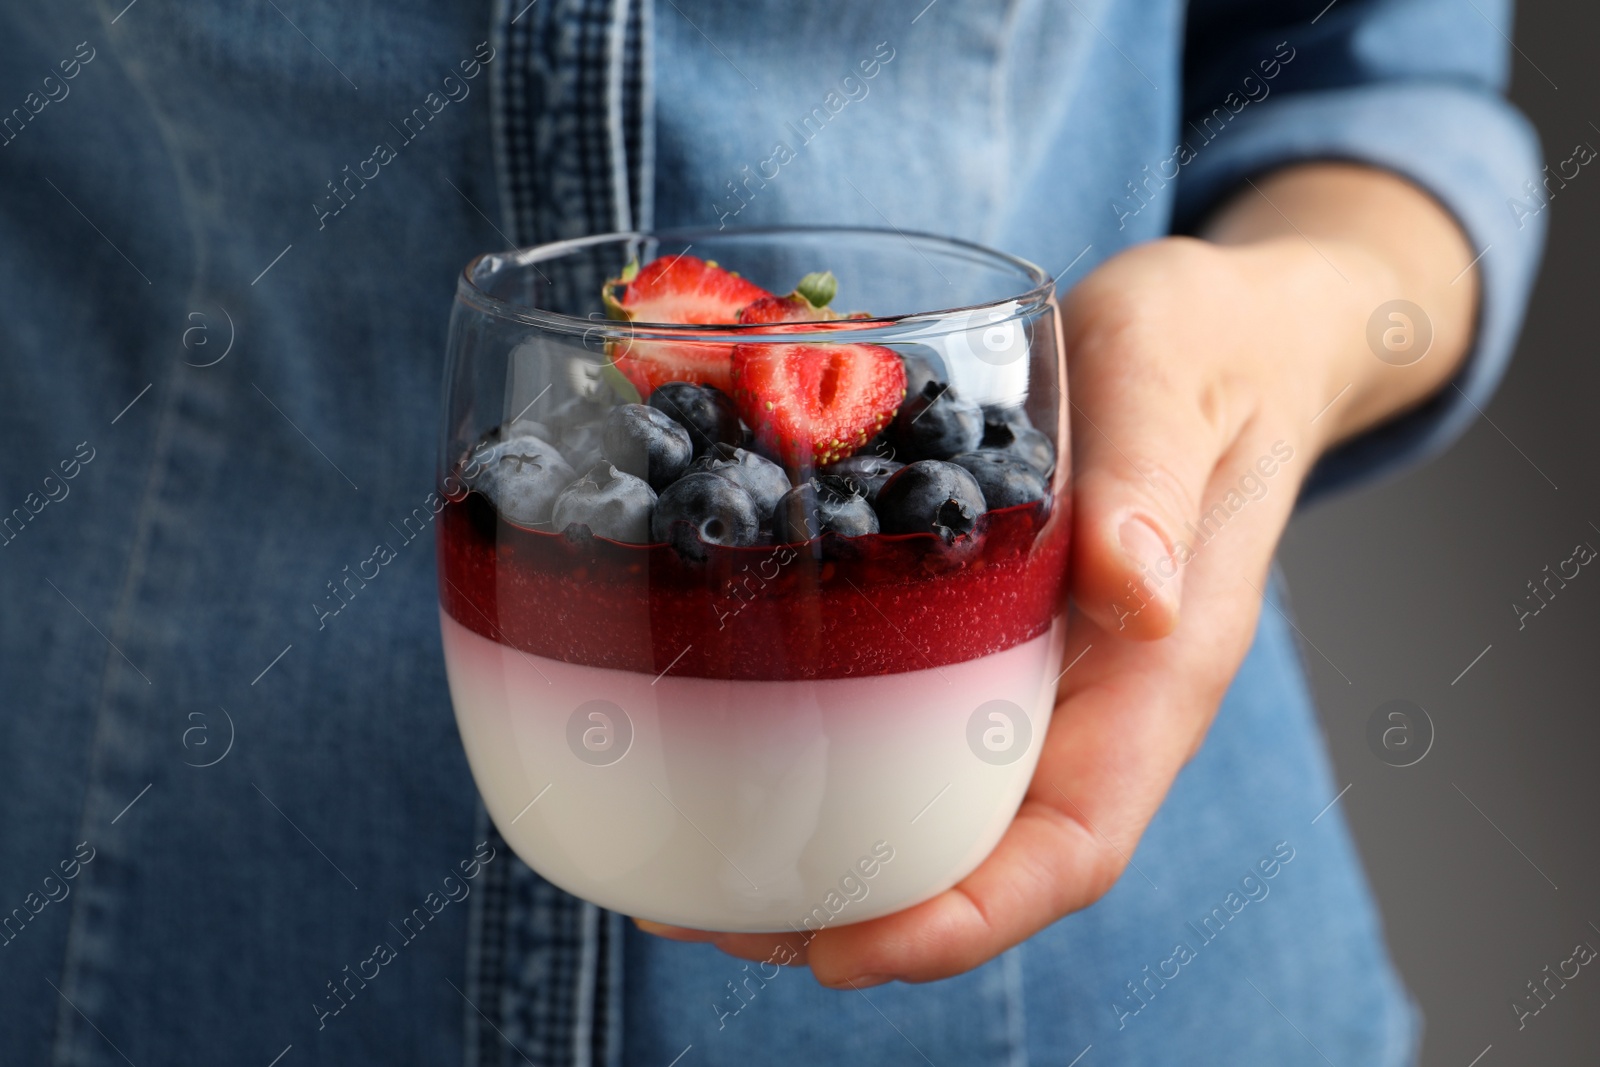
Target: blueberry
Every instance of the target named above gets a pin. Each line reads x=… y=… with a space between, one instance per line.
x=923 y=365
x=936 y=423
x=930 y=496
x=868 y=471
x=1005 y=480
x=522 y=478
x=1022 y=441
x=610 y=503
x=645 y=443
x=763 y=479
x=824 y=504
x=704 y=410
x=700 y=509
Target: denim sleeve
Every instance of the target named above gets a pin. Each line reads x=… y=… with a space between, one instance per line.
x=1413 y=86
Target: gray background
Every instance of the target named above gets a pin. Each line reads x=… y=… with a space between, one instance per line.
x=1403 y=585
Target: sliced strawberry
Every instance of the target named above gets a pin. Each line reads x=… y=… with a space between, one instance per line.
x=815 y=404
x=680 y=290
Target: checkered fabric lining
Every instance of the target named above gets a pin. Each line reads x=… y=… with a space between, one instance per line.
x=638 y=115
x=544 y=973
x=573 y=126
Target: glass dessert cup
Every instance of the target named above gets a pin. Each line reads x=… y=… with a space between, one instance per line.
x=780 y=735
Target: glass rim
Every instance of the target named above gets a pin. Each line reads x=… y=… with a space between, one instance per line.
x=1039 y=294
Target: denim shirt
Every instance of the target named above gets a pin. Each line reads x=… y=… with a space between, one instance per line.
x=237 y=823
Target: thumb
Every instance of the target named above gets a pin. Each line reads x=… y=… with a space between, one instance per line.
x=1143 y=455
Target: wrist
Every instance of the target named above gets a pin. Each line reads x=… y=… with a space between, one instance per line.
x=1341 y=243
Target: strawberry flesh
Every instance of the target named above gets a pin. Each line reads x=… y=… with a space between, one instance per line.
x=686 y=290
x=678 y=290
x=812 y=405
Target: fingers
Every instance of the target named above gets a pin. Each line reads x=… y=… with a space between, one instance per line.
x=674 y=933
x=1142 y=461
x=1044 y=866
x=1109 y=756
x=1146 y=436
x=782 y=949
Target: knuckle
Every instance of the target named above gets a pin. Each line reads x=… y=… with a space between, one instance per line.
x=1103 y=867
x=1227 y=402
x=1167 y=491
x=1104 y=873
x=1103 y=318
x=1144 y=281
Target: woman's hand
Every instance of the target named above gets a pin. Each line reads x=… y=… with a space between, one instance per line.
x=1206 y=377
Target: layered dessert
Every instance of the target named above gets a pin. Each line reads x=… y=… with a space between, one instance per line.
x=754 y=634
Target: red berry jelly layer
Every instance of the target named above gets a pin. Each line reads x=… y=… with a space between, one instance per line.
x=834 y=608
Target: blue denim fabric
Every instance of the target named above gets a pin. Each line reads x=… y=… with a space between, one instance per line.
x=170 y=202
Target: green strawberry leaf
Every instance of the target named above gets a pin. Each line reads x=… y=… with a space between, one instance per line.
x=818 y=288
x=608 y=294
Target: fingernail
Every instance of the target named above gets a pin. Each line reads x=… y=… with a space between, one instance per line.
x=867 y=981
x=1147 y=552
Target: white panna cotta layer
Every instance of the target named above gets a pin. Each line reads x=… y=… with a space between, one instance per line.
x=750 y=805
